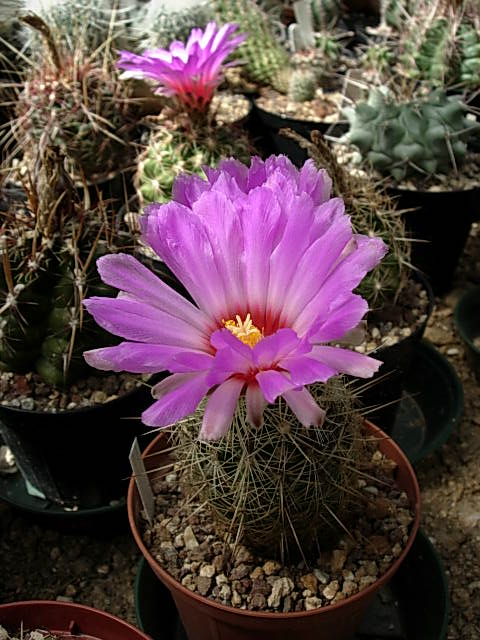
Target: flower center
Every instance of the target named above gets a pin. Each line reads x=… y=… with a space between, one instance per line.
x=244 y=330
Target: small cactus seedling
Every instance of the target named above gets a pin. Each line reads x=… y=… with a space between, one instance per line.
x=76 y=103
x=48 y=247
x=418 y=138
x=302 y=86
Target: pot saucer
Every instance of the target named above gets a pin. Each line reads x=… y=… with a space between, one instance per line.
x=13 y=491
x=431 y=404
x=415 y=604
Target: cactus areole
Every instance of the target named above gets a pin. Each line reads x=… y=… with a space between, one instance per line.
x=188 y=72
x=271 y=263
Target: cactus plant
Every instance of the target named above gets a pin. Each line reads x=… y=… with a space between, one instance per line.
x=76 y=103
x=263 y=57
x=49 y=245
x=302 y=478
x=302 y=86
x=175 y=149
x=469 y=71
x=418 y=138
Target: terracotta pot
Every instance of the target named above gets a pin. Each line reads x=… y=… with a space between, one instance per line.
x=67 y=620
x=205 y=619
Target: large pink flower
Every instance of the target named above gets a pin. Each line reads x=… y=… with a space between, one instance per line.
x=190 y=72
x=271 y=262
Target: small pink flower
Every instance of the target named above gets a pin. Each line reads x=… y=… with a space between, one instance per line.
x=189 y=72
x=271 y=263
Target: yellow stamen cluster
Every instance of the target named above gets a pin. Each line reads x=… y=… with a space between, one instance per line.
x=245 y=330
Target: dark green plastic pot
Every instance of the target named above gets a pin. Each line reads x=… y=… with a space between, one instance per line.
x=467 y=321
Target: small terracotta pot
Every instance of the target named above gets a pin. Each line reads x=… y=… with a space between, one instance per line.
x=205 y=619
x=67 y=620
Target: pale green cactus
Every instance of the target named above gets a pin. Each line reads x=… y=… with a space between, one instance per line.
x=302 y=86
x=422 y=137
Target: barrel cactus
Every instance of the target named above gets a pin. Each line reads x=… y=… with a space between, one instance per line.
x=76 y=103
x=417 y=138
x=48 y=245
x=302 y=86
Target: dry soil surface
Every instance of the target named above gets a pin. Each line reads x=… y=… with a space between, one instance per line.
x=98 y=569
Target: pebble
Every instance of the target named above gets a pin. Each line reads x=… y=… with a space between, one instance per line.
x=191 y=541
x=330 y=590
x=64 y=599
x=309 y=581
x=207 y=571
x=312 y=603
x=453 y=351
x=27 y=403
x=281 y=587
x=103 y=570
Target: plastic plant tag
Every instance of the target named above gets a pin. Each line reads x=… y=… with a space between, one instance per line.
x=142 y=481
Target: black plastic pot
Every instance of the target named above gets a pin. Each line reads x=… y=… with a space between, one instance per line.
x=441 y=220
x=79 y=458
x=386 y=388
x=269 y=124
x=467 y=321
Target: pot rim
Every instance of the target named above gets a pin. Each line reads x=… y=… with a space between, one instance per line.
x=32 y=605
x=171 y=582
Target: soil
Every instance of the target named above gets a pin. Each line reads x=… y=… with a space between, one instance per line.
x=98 y=568
x=322 y=109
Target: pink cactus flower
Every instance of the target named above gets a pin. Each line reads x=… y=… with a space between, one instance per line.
x=270 y=261
x=190 y=72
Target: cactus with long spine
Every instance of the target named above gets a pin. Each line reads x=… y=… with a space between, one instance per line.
x=303 y=478
x=48 y=245
x=76 y=103
x=421 y=137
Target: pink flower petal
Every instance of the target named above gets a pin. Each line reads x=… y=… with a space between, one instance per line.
x=304 y=370
x=256 y=403
x=178 y=396
x=338 y=321
x=136 y=357
x=304 y=407
x=274 y=348
x=346 y=361
x=273 y=384
x=220 y=409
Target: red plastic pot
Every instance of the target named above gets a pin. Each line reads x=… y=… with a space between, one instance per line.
x=67 y=620
x=205 y=619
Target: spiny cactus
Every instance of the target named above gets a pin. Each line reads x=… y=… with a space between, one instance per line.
x=325 y=13
x=76 y=103
x=421 y=137
x=302 y=86
x=263 y=56
x=175 y=149
x=303 y=478
x=49 y=244
x=158 y=25
x=373 y=213
x=433 y=57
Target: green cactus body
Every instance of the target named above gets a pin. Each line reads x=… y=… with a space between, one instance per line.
x=469 y=38
x=303 y=478
x=302 y=86
x=264 y=58
x=174 y=150
x=433 y=58
x=325 y=12
x=421 y=137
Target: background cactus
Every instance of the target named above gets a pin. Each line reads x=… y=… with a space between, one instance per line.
x=49 y=244
x=174 y=148
x=76 y=103
x=469 y=39
x=304 y=478
x=302 y=86
x=263 y=56
x=421 y=137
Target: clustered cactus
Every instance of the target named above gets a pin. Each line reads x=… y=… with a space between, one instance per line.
x=264 y=59
x=48 y=247
x=303 y=478
x=174 y=149
x=75 y=102
x=420 y=138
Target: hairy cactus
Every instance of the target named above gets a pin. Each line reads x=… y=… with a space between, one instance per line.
x=158 y=26
x=77 y=104
x=302 y=86
x=303 y=478
x=263 y=56
x=421 y=137
x=175 y=149
x=48 y=246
